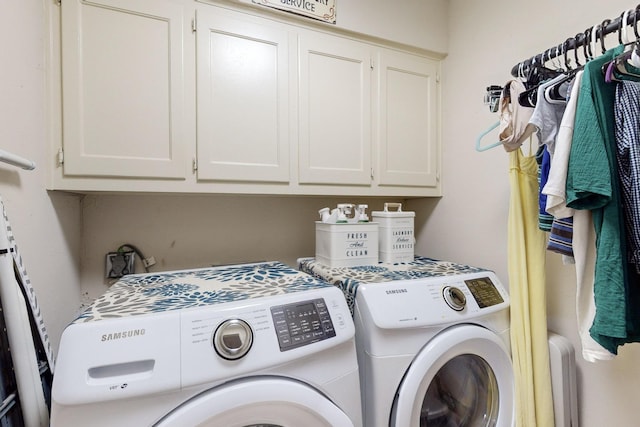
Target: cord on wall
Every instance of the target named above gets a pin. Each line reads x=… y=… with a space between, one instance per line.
x=122 y=261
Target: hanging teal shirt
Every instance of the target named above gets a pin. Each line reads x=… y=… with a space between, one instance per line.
x=592 y=183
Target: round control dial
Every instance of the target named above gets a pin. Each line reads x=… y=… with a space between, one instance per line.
x=454 y=298
x=233 y=339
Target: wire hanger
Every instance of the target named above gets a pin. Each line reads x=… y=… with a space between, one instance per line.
x=479 y=146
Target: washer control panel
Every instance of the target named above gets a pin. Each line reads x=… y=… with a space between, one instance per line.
x=436 y=300
x=484 y=291
x=302 y=323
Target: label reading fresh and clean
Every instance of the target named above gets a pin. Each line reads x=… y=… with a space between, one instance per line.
x=357 y=246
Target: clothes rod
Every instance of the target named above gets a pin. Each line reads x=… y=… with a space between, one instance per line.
x=583 y=39
x=18 y=161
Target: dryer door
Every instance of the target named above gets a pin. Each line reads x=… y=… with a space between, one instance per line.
x=463 y=377
x=264 y=402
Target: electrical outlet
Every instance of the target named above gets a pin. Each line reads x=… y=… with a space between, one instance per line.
x=119 y=264
x=148 y=262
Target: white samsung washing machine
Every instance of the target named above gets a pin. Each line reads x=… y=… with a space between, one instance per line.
x=247 y=346
x=433 y=343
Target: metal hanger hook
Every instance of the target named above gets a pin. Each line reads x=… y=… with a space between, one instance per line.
x=603 y=27
x=521 y=70
x=565 y=51
x=586 y=47
x=593 y=39
x=635 y=21
x=575 y=50
x=557 y=57
x=622 y=28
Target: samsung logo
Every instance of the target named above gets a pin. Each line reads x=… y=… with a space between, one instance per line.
x=122 y=335
x=396 y=291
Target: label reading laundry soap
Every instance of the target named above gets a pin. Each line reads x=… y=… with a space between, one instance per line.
x=324 y=10
x=403 y=240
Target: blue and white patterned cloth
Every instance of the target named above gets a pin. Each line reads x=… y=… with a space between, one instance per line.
x=627 y=131
x=561 y=236
x=348 y=278
x=139 y=294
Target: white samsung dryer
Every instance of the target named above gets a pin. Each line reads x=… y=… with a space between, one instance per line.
x=433 y=343
x=246 y=345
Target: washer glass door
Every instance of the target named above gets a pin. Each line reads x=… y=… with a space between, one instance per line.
x=461 y=378
x=464 y=392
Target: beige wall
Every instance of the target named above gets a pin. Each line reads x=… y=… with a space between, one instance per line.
x=423 y=22
x=199 y=231
x=469 y=223
x=46 y=226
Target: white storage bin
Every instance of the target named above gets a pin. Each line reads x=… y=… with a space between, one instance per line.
x=347 y=245
x=397 y=240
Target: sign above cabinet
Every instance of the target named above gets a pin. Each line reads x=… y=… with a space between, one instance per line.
x=323 y=10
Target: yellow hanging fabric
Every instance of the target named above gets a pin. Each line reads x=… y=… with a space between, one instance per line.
x=526 y=266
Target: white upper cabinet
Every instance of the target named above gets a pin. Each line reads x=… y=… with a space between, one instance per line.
x=123 y=84
x=407 y=120
x=242 y=98
x=334 y=110
x=179 y=96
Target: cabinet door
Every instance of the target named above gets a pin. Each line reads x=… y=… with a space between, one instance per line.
x=123 y=88
x=407 y=120
x=334 y=110
x=243 y=98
